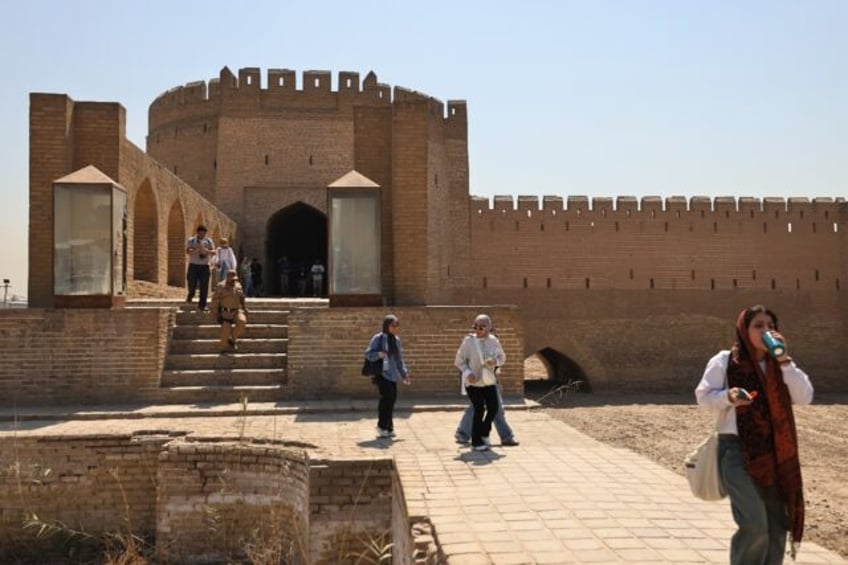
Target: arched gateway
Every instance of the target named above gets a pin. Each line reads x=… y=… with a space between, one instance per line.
x=298 y=233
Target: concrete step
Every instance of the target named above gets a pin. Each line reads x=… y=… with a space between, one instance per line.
x=221 y=394
x=246 y=345
x=256 y=302
x=223 y=377
x=194 y=318
x=210 y=330
x=234 y=360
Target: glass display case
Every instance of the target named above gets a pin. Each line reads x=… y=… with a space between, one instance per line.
x=354 y=241
x=89 y=234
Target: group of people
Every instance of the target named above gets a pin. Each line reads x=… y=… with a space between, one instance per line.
x=295 y=277
x=228 y=307
x=751 y=388
x=478 y=360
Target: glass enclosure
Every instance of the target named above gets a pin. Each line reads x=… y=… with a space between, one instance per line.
x=89 y=240
x=354 y=242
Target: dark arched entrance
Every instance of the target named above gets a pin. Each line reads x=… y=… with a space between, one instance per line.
x=298 y=233
x=553 y=371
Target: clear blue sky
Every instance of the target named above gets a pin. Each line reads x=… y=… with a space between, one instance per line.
x=595 y=98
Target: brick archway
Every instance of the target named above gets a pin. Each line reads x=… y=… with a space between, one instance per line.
x=299 y=233
x=145 y=234
x=176 y=245
x=561 y=370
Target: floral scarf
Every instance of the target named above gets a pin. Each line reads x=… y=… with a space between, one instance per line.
x=767 y=430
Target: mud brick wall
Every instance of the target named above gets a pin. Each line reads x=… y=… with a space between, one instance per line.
x=96 y=484
x=351 y=507
x=221 y=500
x=326 y=348
x=82 y=356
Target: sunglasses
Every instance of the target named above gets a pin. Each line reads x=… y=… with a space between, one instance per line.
x=479 y=328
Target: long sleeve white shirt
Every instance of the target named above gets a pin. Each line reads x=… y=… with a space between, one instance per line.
x=227 y=257
x=470 y=358
x=711 y=392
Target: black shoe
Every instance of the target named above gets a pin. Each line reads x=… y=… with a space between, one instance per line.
x=510 y=442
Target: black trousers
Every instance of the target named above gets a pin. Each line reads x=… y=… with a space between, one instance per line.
x=485 y=402
x=386 y=406
x=198 y=275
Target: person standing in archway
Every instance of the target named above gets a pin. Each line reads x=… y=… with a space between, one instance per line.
x=246 y=276
x=284 y=272
x=317 y=271
x=256 y=276
x=200 y=250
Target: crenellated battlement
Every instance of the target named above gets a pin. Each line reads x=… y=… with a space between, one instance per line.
x=655 y=206
x=282 y=91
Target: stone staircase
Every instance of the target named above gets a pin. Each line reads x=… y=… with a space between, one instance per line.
x=195 y=371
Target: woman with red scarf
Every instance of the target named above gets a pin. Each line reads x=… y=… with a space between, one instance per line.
x=758 y=443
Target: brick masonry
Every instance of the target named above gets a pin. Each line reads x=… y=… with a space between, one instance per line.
x=232 y=153
x=91 y=357
x=201 y=499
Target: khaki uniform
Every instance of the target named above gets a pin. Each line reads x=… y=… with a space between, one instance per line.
x=228 y=309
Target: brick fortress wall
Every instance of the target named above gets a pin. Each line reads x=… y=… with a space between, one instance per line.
x=580 y=271
x=162 y=210
x=254 y=150
x=641 y=294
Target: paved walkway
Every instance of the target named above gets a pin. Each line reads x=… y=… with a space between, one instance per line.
x=560 y=497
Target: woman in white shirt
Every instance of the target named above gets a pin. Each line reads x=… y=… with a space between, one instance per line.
x=752 y=393
x=225 y=259
x=477 y=358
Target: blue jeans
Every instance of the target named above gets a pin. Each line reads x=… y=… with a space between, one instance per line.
x=759 y=513
x=503 y=429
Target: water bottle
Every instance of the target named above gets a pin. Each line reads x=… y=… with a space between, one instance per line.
x=775 y=347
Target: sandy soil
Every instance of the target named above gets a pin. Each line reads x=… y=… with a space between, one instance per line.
x=665 y=429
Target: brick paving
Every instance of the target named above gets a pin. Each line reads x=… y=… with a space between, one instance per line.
x=560 y=497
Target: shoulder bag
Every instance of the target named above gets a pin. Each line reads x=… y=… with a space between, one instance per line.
x=701 y=467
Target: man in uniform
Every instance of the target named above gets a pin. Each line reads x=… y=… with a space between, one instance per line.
x=230 y=311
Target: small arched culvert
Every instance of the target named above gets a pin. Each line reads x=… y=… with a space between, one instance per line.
x=549 y=373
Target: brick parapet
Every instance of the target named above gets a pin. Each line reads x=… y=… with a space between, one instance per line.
x=82 y=356
x=326 y=348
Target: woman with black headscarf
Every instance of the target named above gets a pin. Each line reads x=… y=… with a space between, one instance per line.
x=385 y=345
x=752 y=388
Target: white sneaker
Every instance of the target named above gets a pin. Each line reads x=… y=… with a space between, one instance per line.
x=483 y=447
x=383 y=433
x=486 y=441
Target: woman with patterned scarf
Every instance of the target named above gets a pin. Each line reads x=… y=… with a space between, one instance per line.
x=758 y=443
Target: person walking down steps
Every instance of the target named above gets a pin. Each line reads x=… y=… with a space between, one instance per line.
x=229 y=310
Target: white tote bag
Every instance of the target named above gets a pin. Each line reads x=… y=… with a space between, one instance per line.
x=702 y=470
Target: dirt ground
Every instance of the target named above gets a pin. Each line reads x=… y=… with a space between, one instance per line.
x=665 y=429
